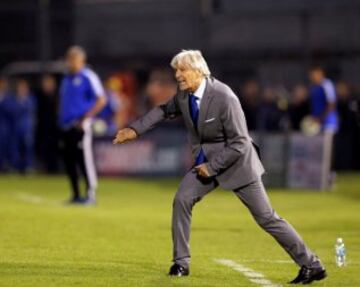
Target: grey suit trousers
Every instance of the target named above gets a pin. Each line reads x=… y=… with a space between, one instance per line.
x=193 y=188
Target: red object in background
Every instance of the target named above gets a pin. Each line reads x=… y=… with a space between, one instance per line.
x=124 y=86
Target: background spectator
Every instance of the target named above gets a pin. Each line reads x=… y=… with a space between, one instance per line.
x=124 y=87
x=105 y=122
x=22 y=127
x=249 y=98
x=160 y=87
x=323 y=109
x=270 y=115
x=346 y=107
x=349 y=130
x=323 y=99
x=47 y=131
x=299 y=106
x=4 y=124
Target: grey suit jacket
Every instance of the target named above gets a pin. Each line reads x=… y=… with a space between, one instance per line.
x=222 y=133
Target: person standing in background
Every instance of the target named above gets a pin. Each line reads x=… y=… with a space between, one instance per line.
x=106 y=118
x=47 y=130
x=323 y=109
x=4 y=124
x=160 y=87
x=346 y=107
x=299 y=106
x=250 y=96
x=22 y=109
x=270 y=115
x=349 y=132
x=82 y=97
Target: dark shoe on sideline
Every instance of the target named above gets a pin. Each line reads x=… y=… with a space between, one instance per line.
x=307 y=275
x=89 y=201
x=75 y=200
x=179 y=271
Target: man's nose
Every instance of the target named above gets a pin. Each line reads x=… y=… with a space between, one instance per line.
x=177 y=74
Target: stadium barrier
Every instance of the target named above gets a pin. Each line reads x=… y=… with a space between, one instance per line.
x=291 y=160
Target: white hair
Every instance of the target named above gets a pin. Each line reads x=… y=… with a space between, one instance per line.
x=191 y=59
x=77 y=50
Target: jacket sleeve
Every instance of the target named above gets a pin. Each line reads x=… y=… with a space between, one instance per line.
x=235 y=131
x=156 y=115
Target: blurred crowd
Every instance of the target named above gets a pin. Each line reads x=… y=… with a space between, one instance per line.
x=28 y=112
x=29 y=123
x=276 y=108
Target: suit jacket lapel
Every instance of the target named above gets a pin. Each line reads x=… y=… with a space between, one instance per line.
x=204 y=105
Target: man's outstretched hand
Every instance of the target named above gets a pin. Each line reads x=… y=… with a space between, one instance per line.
x=124 y=135
x=202 y=170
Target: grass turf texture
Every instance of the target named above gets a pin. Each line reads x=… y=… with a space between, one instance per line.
x=126 y=239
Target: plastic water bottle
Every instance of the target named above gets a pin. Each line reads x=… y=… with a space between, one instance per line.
x=340 y=252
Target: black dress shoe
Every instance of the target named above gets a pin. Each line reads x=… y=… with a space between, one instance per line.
x=178 y=270
x=307 y=275
x=75 y=200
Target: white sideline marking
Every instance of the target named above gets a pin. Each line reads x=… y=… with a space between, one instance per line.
x=266 y=261
x=253 y=276
x=34 y=199
x=29 y=198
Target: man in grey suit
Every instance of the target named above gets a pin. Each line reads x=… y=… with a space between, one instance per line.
x=224 y=155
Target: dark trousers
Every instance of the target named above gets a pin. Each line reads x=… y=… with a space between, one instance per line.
x=78 y=159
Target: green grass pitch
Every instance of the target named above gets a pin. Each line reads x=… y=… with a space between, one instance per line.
x=126 y=239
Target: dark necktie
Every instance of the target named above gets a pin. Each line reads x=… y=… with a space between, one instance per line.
x=194 y=113
x=194 y=109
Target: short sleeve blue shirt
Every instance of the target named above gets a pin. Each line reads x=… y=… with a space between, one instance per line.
x=320 y=96
x=78 y=93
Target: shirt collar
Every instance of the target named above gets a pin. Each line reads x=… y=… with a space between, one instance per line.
x=78 y=73
x=201 y=89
